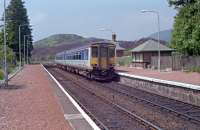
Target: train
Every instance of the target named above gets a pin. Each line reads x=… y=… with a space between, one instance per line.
x=95 y=60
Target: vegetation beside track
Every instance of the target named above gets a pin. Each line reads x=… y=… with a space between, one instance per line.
x=124 y=61
x=1 y=74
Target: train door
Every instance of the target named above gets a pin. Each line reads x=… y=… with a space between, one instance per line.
x=94 y=57
x=103 y=57
x=111 y=52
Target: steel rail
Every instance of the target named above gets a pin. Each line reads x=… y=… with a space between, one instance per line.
x=129 y=113
x=124 y=110
x=156 y=104
x=101 y=124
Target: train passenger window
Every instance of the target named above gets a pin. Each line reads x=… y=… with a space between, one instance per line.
x=86 y=55
x=111 y=52
x=82 y=55
x=74 y=56
x=94 y=51
x=104 y=52
x=79 y=55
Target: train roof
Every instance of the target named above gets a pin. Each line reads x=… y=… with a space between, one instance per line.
x=82 y=47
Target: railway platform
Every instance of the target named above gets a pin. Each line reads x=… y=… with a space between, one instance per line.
x=176 y=76
x=32 y=101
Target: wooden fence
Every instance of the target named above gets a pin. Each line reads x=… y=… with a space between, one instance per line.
x=176 y=62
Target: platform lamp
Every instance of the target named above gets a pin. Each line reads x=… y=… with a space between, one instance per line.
x=25 y=36
x=20 y=54
x=5 y=48
x=111 y=31
x=158 y=19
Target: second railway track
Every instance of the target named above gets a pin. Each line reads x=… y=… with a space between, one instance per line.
x=115 y=108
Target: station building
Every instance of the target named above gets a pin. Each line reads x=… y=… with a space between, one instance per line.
x=144 y=53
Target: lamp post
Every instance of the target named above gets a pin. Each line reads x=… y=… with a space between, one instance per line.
x=113 y=36
x=25 y=46
x=111 y=31
x=158 y=19
x=26 y=42
x=5 y=49
x=20 y=54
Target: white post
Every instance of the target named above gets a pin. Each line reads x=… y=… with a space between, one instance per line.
x=24 y=49
x=27 y=55
x=20 y=55
x=159 y=65
x=5 y=49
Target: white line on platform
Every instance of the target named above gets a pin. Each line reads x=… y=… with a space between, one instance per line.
x=87 y=118
x=73 y=116
x=179 y=84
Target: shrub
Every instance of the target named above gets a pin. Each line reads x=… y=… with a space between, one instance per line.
x=1 y=75
x=195 y=69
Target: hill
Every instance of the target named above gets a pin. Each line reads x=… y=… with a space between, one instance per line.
x=48 y=47
x=164 y=35
x=57 y=39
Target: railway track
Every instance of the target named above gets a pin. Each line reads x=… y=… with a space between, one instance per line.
x=112 y=115
x=127 y=98
x=181 y=109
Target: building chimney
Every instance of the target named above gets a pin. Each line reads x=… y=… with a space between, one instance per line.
x=114 y=37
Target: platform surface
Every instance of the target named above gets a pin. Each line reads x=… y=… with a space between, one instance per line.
x=29 y=103
x=177 y=76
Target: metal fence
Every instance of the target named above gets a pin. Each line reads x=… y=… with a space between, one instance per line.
x=176 y=62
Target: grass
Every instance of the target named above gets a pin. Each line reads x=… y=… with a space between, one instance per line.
x=11 y=69
x=1 y=74
x=195 y=69
x=124 y=61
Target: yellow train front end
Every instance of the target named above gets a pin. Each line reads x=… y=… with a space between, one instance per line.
x=103 y=60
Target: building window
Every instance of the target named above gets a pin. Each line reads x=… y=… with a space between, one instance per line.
x=138 y=57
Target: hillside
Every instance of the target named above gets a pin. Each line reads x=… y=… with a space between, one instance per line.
x=164 y=35
x=48 y=47
x=57 y=39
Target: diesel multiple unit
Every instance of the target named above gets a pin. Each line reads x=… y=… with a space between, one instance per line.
x=95 y=60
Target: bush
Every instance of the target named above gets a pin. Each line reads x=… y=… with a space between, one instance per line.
x=1 y=75
x=194 y=69
x=124 y=61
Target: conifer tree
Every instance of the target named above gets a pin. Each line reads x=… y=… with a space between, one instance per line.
x=16 y=15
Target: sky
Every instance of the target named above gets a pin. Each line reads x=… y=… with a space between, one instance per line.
x=87 y=17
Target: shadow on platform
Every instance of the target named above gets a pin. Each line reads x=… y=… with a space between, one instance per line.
x=11 y=87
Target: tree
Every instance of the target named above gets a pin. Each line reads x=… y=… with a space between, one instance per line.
x=16 y=15
x=10 y=54
x=180 y=3
x=186 y=31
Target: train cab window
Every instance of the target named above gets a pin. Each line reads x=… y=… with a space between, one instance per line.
x=104 y=52
x=94 y=51
x=111 y=52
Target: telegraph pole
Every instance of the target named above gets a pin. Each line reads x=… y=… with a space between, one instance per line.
x=5 y=49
